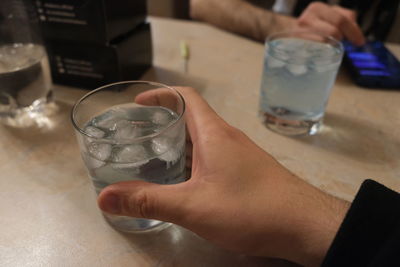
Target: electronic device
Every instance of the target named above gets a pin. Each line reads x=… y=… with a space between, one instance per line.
x=372 y=65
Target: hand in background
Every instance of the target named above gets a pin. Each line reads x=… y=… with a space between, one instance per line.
x=238 y=196
x=331 y=20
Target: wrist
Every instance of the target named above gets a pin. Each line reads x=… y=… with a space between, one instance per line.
x=316 y=225
x=272 y=23
x=303 y=221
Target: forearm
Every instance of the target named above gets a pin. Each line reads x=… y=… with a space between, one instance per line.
x=318 y=226
x=240 y=17
x=370 y=233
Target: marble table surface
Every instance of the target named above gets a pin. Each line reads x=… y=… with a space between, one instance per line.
x=48 y=212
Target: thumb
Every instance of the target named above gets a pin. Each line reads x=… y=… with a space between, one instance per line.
x=146 y=200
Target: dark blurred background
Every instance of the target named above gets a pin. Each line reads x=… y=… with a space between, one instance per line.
x=169 y=8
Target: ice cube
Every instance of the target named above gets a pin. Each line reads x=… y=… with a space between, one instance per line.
x=93 y=163
x=129 y=158
x=125 y=129
x=100 y=151
x=171 y=157
x=301 y=55
x=297 y=69
x=322 y=49
x=131 y=154
x=324 y=65
x=161 y=117
x=107 y=121
x=166 y=150
x=161 y=144
x=95 y=132
x=287 y=45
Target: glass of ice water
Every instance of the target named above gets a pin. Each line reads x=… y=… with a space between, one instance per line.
x=300 y=69
x=125 y=133
x=25 y=82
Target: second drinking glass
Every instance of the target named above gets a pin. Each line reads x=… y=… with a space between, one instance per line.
x=300 y=69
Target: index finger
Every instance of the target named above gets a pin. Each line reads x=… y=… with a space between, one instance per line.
x=353 y=33
x=199 y=115
x=344 y=23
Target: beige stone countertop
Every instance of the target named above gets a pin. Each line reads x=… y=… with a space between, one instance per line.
x=48 y=212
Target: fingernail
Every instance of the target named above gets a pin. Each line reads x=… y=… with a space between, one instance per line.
x=112 y=204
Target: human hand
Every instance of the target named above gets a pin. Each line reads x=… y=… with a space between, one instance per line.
x=331 y=20
x=237 y=197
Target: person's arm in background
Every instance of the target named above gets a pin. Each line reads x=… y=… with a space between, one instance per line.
x=240 y=17
x=335 y=21
x=246 y=19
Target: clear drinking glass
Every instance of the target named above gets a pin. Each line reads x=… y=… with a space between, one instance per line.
x=300 y=69
x=125 y=134
x=25 y=82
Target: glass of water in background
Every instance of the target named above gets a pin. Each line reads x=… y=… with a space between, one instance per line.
x=125 y=135
x=25 y=82
x=299 y=71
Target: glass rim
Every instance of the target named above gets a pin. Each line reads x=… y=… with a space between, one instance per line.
x=130 y=140
x=335 y=42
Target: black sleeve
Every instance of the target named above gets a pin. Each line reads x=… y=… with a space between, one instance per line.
x=370 y=232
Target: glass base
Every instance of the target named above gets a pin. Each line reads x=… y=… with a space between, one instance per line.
x=36 y=114
x=291 y=127
x=134 y=225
